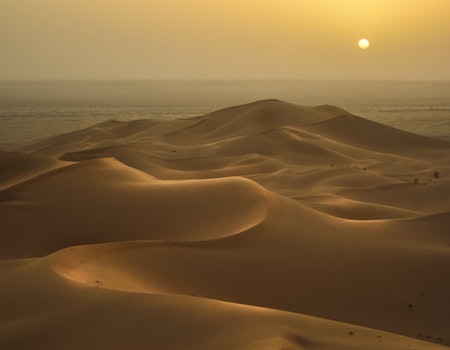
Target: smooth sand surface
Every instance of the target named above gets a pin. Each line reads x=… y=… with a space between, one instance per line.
x=261 y=226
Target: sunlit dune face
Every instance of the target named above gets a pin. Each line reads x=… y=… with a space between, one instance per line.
x=363 y=44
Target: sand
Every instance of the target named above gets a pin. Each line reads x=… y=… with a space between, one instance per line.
x=262 y=226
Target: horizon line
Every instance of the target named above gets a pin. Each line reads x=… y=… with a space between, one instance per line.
x=217 y=80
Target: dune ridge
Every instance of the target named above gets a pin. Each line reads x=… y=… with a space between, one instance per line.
x=261 y=226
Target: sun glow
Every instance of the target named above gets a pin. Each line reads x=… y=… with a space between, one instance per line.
x=363 y=44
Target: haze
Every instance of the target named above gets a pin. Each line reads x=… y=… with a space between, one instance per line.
x=224 y=39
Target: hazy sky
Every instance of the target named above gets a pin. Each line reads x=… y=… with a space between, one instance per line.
x=232 y=39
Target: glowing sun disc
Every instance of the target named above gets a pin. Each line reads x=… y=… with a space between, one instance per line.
x=363 y=44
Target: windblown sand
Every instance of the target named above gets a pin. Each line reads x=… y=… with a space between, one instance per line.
x=262 y=226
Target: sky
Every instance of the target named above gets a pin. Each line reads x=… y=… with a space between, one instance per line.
x=224 y=39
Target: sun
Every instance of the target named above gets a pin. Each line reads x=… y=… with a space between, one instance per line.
x=363 y=44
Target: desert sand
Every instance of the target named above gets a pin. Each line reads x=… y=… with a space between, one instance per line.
x=261 y=226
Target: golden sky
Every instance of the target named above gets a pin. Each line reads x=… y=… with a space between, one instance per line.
x=224 y=39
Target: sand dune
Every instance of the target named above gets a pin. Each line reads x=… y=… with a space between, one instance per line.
x=261 y=226
x=114 y=202
x=18 y=167
x=374 y=136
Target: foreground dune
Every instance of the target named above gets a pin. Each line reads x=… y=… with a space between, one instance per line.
x=261 y=226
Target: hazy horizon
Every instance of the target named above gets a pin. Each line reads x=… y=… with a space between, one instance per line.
x=112 y=80
x=225 y=40
x=221 y=92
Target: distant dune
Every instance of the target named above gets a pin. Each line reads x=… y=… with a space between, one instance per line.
x=261 y=226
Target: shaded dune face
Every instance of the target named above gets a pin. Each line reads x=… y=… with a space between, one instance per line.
x=110 y=201
x=229 y=228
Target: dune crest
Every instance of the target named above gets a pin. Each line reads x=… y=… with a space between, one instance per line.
x=261 y=226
